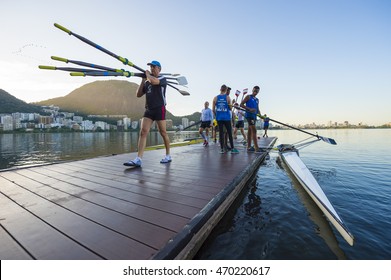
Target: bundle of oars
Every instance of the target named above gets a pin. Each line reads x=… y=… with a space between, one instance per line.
x=173 y=79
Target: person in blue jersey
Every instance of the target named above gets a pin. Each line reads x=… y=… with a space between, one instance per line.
x=206 y=122
x=221 y=109
x=266 y=121
x=153 y=86
x=251 y=104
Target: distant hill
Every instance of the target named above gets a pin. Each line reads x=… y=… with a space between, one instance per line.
x=10 y=104
x=102 y=98
x=107 y=98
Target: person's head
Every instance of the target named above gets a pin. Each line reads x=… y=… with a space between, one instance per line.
x=228 y=90
x=156 y=67
x=256 y=90
x=223 y=89
x=206 y=104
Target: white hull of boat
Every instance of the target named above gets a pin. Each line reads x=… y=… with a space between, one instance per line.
x=309 y=183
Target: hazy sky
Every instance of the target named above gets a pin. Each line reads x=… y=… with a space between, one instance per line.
x=315 y=61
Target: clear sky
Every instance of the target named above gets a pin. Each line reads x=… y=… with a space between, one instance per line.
x=315 y=61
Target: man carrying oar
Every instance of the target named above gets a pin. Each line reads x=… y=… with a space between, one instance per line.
x=251 y=104
x=154 y=88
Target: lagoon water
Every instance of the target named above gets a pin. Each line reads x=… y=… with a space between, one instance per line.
x=276 y=219
x=273 y=218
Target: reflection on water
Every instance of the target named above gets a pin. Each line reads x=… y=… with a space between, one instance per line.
x=25 y=149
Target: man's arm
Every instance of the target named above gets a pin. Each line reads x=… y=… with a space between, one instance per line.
x=214 y=105
x=140 y=89
x=152 y=79
x=244 y=102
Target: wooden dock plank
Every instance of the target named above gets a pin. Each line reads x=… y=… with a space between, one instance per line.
x=96 y=208
x=171 y=222
x=86 y=183
x=31 y=237
x=102 y=241
x=122 y=223
x=10 y=248
x=117 y=173
x=133 y=187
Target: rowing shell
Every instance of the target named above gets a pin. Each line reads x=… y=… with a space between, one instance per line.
x=291 y=158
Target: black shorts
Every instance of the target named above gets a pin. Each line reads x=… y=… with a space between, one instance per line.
x=251 y=121
x=239 y=124
x=156 y=114
x=205 y=124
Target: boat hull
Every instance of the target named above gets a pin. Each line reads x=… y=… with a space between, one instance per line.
x=311 y=186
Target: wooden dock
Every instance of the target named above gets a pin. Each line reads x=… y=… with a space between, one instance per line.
x=97 y=209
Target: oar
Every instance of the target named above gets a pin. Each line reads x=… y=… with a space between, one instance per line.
x=97 y=73
x=194 y=124
x=120 y=58
x=92 y=72
x=69 y=69
x=181 y=80
x=325 y=139
x=86 y=64
x=76 y=72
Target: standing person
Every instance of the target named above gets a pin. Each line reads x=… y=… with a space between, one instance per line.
x=206 y=121
x=251 y=104
x=221 y=109
x=240 y=124
x=154 y=88
x=266 y=125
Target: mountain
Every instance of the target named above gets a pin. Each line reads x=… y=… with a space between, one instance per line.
x=102 y=98
x=111 y=97
x=10 y=104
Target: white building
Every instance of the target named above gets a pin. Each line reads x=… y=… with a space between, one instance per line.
x=102 y=125
x=185 y=122
x=127 y=122
x=8 y=122
x=135 y=124
x=87 y=125
x=78 y=119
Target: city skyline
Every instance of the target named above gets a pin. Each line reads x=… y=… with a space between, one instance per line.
x=59 y=119
x=315 y=61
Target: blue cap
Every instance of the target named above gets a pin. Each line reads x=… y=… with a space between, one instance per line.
x=155 y=63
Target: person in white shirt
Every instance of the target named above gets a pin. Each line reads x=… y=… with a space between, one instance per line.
x=206 y=122
x=240 y=123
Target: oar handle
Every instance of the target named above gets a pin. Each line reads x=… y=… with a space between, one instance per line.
x=59 y=59
x=47 y=67
x=63 y=28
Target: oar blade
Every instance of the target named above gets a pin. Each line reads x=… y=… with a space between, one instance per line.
x=184 y=92
x=182 y=80
x=328 y=140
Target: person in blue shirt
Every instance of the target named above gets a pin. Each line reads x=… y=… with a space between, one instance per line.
x=266 y=121
x=251 y=104
x=222 y=111
x=154 y=89
x=206 y=122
